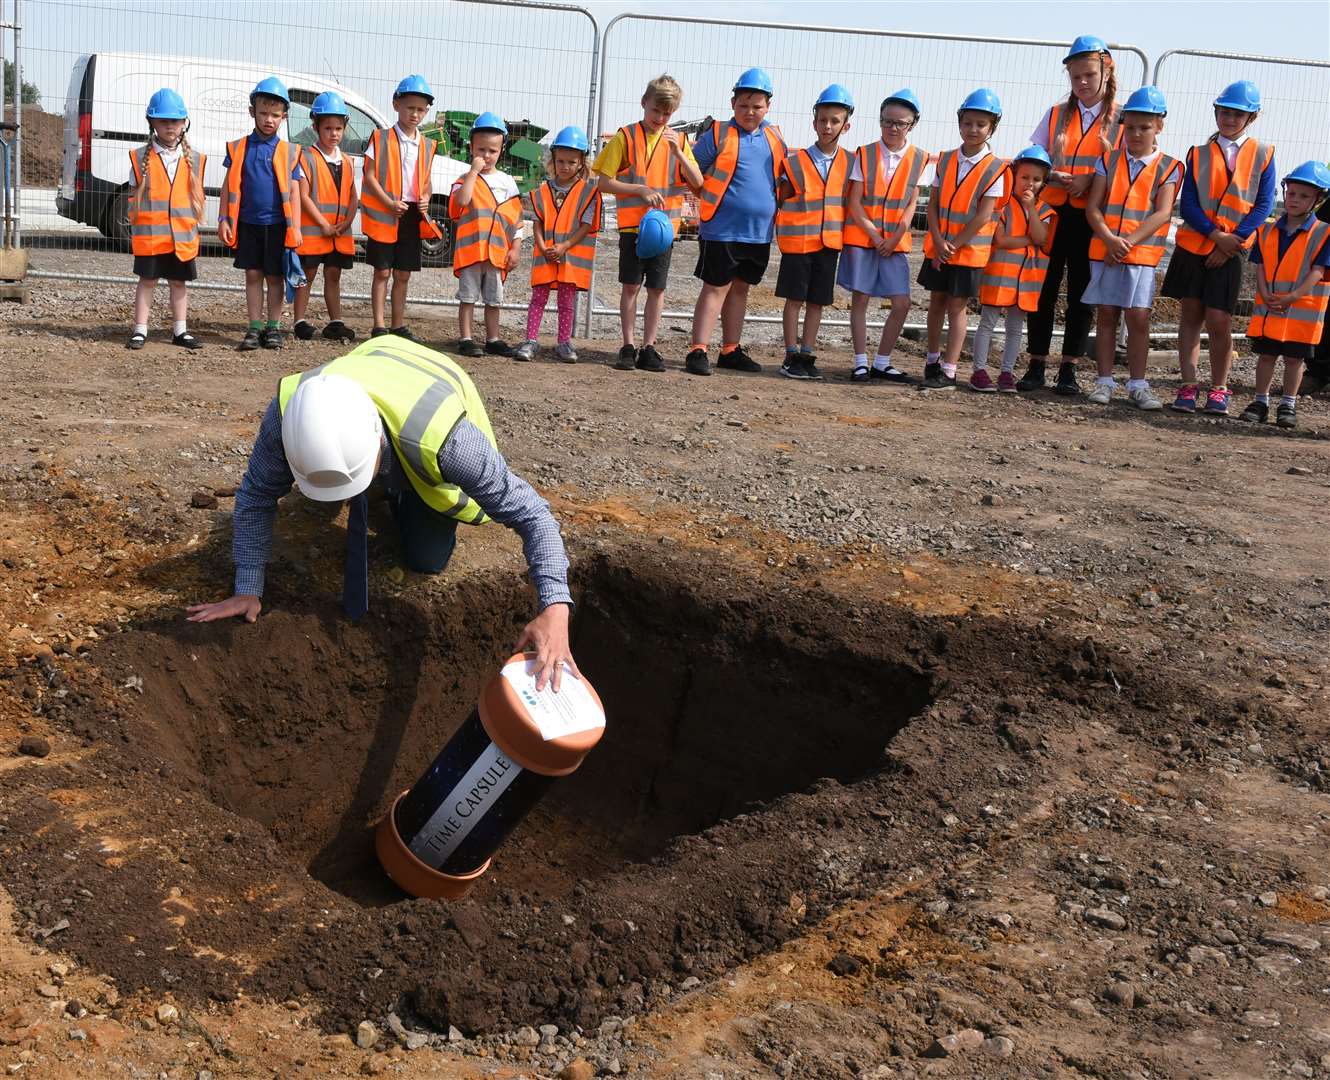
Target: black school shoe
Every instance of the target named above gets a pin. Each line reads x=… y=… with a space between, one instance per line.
x=696 y=363
x=250 y=341
x=498 y=347
x=891 y=375
x=339 y=331
x=1258 y=412
x=1286 y=416
x=403 y=332
x=810 y=365
x=136 y=341
x=304 y=330
x=738 y=360
x=1067 y=385
x=465 y=347
x=627 y=359
x=270 y=338
x=187 y=341
x=935 y=380
x=648 y=359
x=1034 y=378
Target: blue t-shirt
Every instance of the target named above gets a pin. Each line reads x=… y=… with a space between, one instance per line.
x=1286 y=239
x=260 y=200
x=747 y=212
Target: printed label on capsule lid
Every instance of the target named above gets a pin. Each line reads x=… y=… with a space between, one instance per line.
x=556 y=715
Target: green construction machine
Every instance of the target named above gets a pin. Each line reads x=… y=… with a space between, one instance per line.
x=522 y=157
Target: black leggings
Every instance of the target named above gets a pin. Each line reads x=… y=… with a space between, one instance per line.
x=1071 y=251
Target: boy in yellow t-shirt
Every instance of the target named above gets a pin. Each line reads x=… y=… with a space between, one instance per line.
x=646 y=166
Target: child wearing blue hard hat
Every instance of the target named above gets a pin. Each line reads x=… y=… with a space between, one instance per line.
x=566 y=209
x=164 y=213
x=259 y=211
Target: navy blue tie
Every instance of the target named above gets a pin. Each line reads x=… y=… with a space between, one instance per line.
x=355 y=586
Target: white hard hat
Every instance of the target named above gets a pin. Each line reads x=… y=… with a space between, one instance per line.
x=331 y=435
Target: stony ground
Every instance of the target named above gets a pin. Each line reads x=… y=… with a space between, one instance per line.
x=1102 y=853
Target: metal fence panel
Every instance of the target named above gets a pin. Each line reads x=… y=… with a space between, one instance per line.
x=1295 y=101
x=700 y=53
x=95 y=63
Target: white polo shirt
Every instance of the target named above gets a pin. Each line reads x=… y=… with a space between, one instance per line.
x=409 y=149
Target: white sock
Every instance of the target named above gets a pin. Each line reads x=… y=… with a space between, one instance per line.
x=1137 y=384
x=949 y=370
x=882 y=363
x=179 y=327
x=141 y=328
x=860 y=361
x=1291 y=400
x=1105 y=380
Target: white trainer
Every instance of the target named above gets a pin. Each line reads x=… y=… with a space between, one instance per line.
x=1144 y=399
x=1102 y=394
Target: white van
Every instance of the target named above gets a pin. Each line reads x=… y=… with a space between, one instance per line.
x=108 y=93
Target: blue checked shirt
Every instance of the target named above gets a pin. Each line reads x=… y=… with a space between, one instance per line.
x=467 y=459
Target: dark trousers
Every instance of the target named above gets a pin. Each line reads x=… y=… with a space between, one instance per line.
x=427 y=536
x=1071 y=253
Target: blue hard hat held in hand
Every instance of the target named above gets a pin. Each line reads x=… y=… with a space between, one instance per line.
x=1313 y=173
x=570 y=138
x=488 y=121
x=272 y=87
x=414 y=84
x=904 y=96
x=982 y=100
x=329 y=103
x=1086 y=45
x=1241 y=95
x=835 y=94
x=1148 y=99
x=754 y=79
x=655 y=234
x=1037 y=154
x=166 y=104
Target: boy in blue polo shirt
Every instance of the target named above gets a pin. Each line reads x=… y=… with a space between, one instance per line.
x=739 y=160
x=259 y=215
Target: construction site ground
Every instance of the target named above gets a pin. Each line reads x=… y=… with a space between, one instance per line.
x=949 y=734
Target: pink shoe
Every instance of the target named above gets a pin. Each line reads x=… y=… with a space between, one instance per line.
x=981 y=382
x=1186 y=399
x=1216 y=402
x=1006 y=383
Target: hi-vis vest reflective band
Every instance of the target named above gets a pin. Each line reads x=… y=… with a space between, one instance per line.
x=162 y=221
x=1305 y=319
x=229 y=207
x=1016 y=275
x=958 y=203
x=885 y=204
x=559 y=224
x=717 y=179
x=421 y=395
x=814 y=217
x=1226 y=198
x=485 y=229
x=383 y=159
x=1128 y=202
x=658 y=170
x=337 y=204
x=1075 y=151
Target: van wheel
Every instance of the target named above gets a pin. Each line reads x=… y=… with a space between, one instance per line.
x=438 y=252
x=115 y=220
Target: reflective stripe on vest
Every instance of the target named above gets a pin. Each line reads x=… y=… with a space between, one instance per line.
x=484 y=229
x=716 y=181
x=559 y=224
x=1226 y=198
x=1129 y=202
x=229 y=206
x=1075 y=151
x=1016 y=275
x=421 y=396
x=957 y=203
x=336 y=204
x=1304 y=320
x=161 y=218
x=657 y=170
x=885 y=204
x=814 y=217
x=378 y=220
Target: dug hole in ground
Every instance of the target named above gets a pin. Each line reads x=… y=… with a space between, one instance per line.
x=947 y=736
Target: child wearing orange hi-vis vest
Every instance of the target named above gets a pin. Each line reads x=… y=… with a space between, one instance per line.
x=394 y=204
x=740 y=162
x=328 y=207
x=487 y=208
x=567 y=217
x=810 y=221
x=1131 y=203
x=884 y=190
x=258 y=214
x=164 y=212
x=1015 y=272
x=969 y=185
x=1292 y=259
x=1227 y=194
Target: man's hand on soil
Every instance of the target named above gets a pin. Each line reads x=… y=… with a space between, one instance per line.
x=547 y=636
x=246 y=606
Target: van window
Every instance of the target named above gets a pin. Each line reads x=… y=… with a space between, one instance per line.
x=301 y=131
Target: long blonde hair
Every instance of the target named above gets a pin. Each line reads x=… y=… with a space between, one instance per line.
x=1107 y=120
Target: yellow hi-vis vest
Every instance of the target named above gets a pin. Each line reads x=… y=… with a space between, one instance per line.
x=421 y=395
